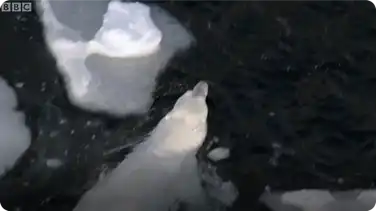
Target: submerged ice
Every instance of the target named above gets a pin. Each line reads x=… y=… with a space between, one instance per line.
x=115 y=72
x=161 y=170
x=222 y=194
x=15 y=136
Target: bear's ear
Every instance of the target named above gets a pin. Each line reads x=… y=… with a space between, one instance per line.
x=200 y=90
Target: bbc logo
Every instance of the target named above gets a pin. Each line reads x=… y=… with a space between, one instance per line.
x=16 y=7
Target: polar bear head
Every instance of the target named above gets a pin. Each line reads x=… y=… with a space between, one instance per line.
x=191 y=106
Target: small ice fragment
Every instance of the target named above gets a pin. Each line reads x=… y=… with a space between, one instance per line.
x=54 y=163
x=223 y=193
x=216 y=139
x=226 y=193
x=53 y=134
x=218 y=154
x=308 y=199
x=62 y=121
x=321 y=200
x=340 y=180
x=19 y=85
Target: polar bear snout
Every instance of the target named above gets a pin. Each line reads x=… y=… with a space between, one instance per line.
x=200 y=90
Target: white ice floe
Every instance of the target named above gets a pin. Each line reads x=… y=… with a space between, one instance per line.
x=14 y=135
x=219 y=153
x=115 y=72
x=127 y=31
x=321 y=200
x=161 y=170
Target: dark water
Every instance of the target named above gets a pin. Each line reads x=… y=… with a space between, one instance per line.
x=292 y=93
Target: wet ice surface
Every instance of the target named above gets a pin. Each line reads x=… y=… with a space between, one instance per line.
x=14 y=134
x=115 y=72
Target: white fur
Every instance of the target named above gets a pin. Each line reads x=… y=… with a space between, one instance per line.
x=161 y=170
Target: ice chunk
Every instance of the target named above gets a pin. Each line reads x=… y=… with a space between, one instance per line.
x=309 y=199
x=15 y=136
x=344 y=205
x=218 y=154
x=229 y=193
x=96 y=77
x=54 y=163
x=221 y=192
x=127 y=31
x=163 y=168
x=321 y=200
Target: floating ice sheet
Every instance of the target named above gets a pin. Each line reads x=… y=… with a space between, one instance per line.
x=14 y=135
x=162 y=169
x=321 y=200
x=107 y=74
